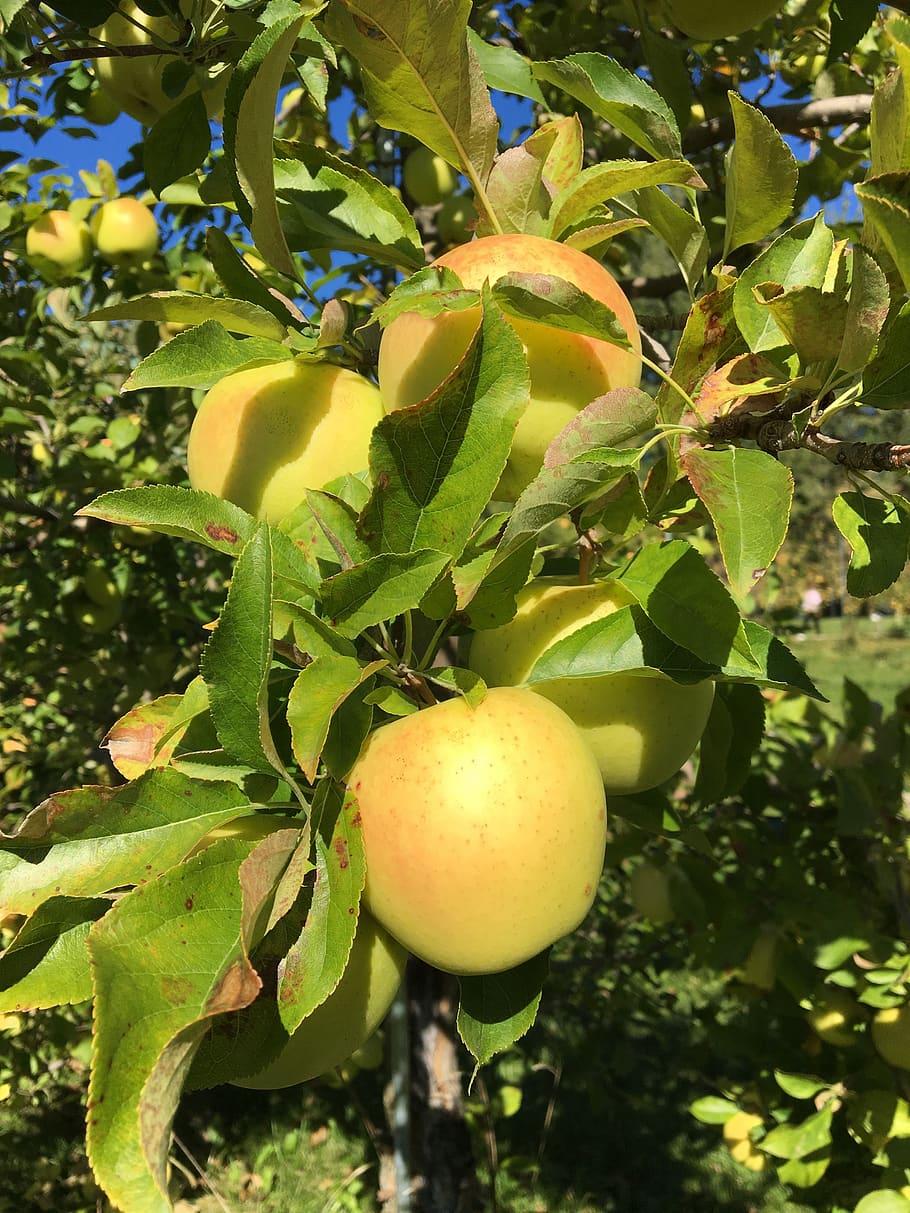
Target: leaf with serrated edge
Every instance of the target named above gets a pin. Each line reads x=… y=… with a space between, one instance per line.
x=549 y=300
x=761 y=177
x=317 y=693
x=748 y=494
x=866 y=312
x=610 y=179
x=249 y=119
x=777 y=667
x=499 y=1008
x=505 y=69
x=183 y=307
x=813 y=321
x=178 y=143
x=241 y=282
x=201 y=356
x=46 y=965
x=379 y=589
x=314 y=965
x=878 y=532
x=168 y=958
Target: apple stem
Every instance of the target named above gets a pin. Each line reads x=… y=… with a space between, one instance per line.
x=586 y=551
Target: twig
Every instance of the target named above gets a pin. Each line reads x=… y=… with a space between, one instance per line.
x=778 y=434
x=73 y=54
x=792 y=118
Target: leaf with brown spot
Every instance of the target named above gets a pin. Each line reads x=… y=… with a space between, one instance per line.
x=149 y=733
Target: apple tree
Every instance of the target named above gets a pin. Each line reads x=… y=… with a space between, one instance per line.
x=482 y=447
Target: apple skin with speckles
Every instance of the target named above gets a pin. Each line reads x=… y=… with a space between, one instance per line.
x=484 y=829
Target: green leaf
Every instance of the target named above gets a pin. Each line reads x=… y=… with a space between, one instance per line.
x=885 y=201
x=241 y=282
x=46 y=965
x=435 y=467
x=499 y=1008
x=866 y=313
x=183 y=307
x=326 y=203
x=713 y=1110
x=878 y=532
x=464 y=682
x=421 y=76
x=167 y=958
x=338 y=523
x=727 y=748
x=517 y=193
x=249 y=112
x=770 y=664
x=805 y=1172
x=796 y=1141
x=761 y=177
x=505 y=69
x=90 y=840
x=799 y=257
x=548 y=300
x=200 y=357
x=379 y=589
x=429 y=292
x=178 y=143
x=625 y=641
x=201 y=518
x=237 y=659
x=149 y=733
x=707 y=339
x=318 y=692
x=683 y=235
x=886 y=382
x=748 y=494
x=883 y=1201
x=814 y=322
x=619 y=97
x=316 y=962
x=608 y=180
x=683 y=598
x=800 y=1086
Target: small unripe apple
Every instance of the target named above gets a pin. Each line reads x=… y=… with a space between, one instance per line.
x=58 y=244
x=891 y=1036
x=347 y=1018
x=739 y=1126
x=649 y=888
x=483 y=828
x=641 y=727
x=428 y=178
x=124 y=231
x=99 y=585
x=833 y=1017
x=454 y=219
x=760 y=969
x=96 y=618
x=711 y=19
x=263 y=436
x=568 y=370
x=101 y=109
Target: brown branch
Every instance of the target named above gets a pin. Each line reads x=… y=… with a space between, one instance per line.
x=71 y=54
x=16 y=506
x=778 y=434
x=642 y=287
x=792 y=118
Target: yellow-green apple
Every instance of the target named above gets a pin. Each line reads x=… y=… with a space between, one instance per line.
x=58 y=244
x=739 y=1127
x=641 y=727
x=124 y=231
x=99 y=585
x=649 y=888
x=454 y=219
x=100 y=108
x=134 y=82
x=483 y=827
x=96 y=618
x=347 y=1018
x=834 y=1016
x=265 y=435
x=760 y=969
x=568 y=370
x=891 y=1035
x=709 y=19
x=428 y=178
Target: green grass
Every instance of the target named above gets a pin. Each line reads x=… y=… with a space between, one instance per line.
x=867 y=652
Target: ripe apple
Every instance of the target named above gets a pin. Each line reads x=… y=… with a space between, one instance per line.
x=739 y=1126
x=347 y=1018
x=263 y=436
x=833 y=1017
x=708 y=19
x=568 y=370
x=650 y=892
x=891 y=1036
x=484 y=829
x=100 y=108
x=642 y=728
x=428 y=178
x=58 y=244
x=454 y=219
x=134 y=83
x=124 y=231
x=99 y=585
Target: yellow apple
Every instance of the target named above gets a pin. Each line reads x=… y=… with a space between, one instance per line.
x=428 y=178
x=348 y=1017
x=100 y=108
x=891 y=1036
x=99 y=585
x=760 y=969
x=124 y=231
x=454 y=219
x=747 y=1156
x=484 y=829
x=710 y=19
x=58 y=243
x=641 y=727
x=739 y=1126
x=650 y=892
x=833 y=1017
x=568 y=370
x=134 y=82
x=263 y=436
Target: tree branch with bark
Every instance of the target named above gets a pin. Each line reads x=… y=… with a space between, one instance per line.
x=790 y=118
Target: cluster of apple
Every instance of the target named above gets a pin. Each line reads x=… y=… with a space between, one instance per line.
x=123 y=231
x=484 y=827
x=431 y=181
